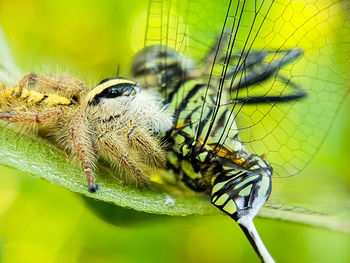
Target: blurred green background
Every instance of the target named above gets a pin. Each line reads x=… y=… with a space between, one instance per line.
x=40 y=222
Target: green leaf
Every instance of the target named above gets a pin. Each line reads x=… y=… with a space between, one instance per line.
x=38 y=157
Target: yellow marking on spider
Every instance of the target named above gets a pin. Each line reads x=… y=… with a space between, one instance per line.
x=31 y=97
x=54 y=99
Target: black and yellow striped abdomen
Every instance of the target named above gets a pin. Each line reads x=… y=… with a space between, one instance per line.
x=209 y=157
x=196 y=160
x=15 y=96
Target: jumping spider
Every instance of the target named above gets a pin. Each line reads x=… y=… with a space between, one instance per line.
x=116 y=121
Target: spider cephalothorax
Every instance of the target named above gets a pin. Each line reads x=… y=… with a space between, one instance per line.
x=115 y=121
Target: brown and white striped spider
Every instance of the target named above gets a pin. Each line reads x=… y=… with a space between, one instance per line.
x=115 y=121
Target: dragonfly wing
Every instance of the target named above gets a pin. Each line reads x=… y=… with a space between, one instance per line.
x=9 y=71
x=288 y=134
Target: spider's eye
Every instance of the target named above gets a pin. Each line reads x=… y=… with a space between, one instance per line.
x=114 y=91
x=124 y=89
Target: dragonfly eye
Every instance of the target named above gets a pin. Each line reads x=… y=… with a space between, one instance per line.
x=156 y=59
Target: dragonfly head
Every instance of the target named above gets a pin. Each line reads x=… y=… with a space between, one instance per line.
x=159 y=66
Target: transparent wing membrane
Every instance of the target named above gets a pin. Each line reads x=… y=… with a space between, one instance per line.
x=280 y=67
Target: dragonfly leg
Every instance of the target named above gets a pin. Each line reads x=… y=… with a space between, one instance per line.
x=241 y=193
x=296 y=94
x=255 y=67
x=252 y=70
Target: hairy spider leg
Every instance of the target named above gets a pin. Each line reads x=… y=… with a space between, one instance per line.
x=111 y=147
x=71 y=87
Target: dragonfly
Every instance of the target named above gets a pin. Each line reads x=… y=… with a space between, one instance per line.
x=248 y=82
